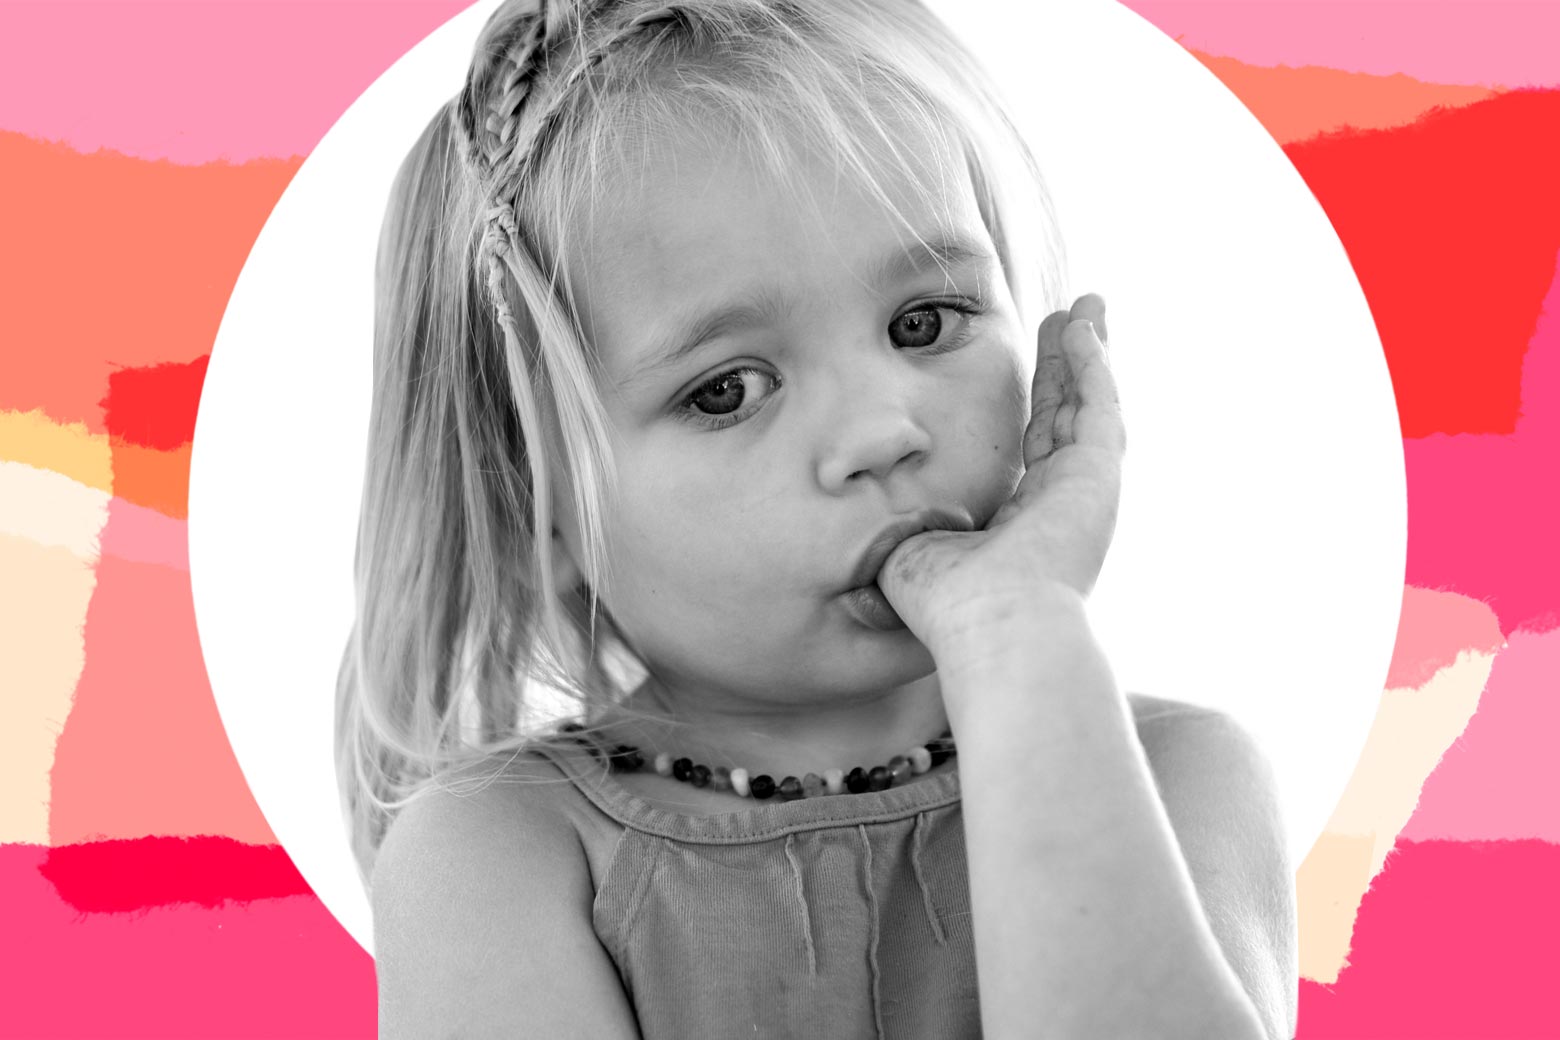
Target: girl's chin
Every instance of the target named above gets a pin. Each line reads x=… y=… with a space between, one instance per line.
x=863 y=676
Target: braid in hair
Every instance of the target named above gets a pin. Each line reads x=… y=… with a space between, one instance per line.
x=488 y=129
x=494 y=146
x=543 y=123
x=492 y=108
x=497 y=151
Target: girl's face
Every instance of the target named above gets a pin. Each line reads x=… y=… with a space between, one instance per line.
x=795 y=382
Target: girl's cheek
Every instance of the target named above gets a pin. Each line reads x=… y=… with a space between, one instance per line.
x=1010 y=392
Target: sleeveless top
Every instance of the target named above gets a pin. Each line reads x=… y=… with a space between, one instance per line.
x=846 y=916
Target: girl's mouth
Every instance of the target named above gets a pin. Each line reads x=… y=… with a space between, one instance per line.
x=864 y=599
x=888 y=540
x=868 y=606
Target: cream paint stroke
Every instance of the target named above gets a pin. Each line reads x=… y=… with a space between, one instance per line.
x=50 y=527
x=1413 y=728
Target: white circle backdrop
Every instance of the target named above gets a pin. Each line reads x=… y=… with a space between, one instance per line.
x=1258 y=566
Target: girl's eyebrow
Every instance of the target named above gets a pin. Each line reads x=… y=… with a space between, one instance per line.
x=683 y=337
x=951 y=249
x=765 y=307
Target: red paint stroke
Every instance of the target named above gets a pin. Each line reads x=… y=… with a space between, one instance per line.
x=110 y=263
x=1454 y=939
x=1483 y=511
x=1453 y=224
x=266 y=968
x=155 y=407
x=1501 y=778
x=143 y=750
x=118 y=876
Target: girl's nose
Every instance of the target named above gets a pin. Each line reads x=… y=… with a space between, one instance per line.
x=871 y=434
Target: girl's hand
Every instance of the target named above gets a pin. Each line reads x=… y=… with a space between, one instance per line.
x=1051 y=536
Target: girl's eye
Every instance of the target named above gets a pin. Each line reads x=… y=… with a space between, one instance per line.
x=928 y=325
x=731 y=396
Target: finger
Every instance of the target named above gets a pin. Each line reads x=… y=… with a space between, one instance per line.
x=913 y=572
x=1091 y=307
x=1050 y=388
x=1097 y=419
x=1066 y=415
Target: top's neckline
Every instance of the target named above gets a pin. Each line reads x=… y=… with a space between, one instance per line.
x=761 y=822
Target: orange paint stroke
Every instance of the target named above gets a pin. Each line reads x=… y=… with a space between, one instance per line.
x=158 y=480
x=1299 y=103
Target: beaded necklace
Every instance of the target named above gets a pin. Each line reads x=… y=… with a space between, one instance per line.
x=626 y=758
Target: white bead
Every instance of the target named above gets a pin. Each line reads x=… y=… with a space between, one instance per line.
x=663 y=764
x=739 y=782
x=920 y=760
x=834 y=780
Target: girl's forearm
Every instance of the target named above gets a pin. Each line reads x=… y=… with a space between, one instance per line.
x=1087 y=923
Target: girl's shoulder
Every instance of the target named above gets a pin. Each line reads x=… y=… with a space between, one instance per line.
x=1222 y=802
x=1175 y=734
x=500 y=803
x=1208 y=768
x=1146 y=709
x=481 y=890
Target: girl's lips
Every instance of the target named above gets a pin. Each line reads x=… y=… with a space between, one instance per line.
x=864 y=600
x=871 y=608
x=888 y=540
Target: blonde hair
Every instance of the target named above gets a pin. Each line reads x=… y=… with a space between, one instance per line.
x=484 y=382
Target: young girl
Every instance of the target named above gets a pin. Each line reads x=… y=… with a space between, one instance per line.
x=702 y=396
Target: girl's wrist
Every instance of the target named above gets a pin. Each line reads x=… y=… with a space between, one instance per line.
x=996 y=622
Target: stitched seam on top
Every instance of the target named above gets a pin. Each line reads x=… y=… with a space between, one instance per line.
x=917 y=843
x=872 y=952
x=801 y=899
x=637 y=900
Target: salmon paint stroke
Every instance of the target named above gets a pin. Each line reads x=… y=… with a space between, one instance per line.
x=112 y=263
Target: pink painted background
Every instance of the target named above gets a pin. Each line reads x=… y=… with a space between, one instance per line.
x=142 y=145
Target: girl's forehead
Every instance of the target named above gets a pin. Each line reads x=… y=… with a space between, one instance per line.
x=693 y=185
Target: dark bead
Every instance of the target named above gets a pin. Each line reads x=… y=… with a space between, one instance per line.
x=940 y=752
x=761 y=786
x=626 y=758
x=812 y=785
x=899 y=768
x=856 y=780
x=682 y=769
x=700 y=777
x=879 y=778
x=790 y=789
x=575 y=733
